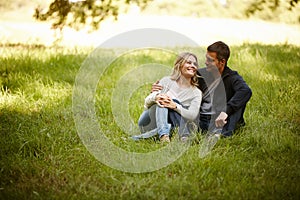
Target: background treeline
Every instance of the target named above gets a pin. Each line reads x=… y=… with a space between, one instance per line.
x=269 y=10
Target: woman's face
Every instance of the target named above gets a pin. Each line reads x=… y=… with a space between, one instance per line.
x=189 y=68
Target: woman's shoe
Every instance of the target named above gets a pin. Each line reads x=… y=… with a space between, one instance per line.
x=165 y=138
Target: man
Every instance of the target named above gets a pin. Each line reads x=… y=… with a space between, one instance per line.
x=225 y=93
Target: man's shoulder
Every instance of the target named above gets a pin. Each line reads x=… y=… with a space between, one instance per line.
x=232 y=76
x=230 y=72
x=202 y=71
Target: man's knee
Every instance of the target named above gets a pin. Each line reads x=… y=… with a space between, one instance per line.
x=234 y=122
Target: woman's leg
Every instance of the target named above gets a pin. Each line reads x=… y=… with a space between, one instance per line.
x=147 y=124
x=144 y=119
x=184 y=127
x=162 y=121
x=147 y=120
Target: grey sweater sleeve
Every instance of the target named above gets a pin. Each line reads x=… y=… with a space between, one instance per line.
x=192 y=111
x=150 y=99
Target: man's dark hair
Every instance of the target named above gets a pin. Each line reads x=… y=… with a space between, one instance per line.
x=222 y=50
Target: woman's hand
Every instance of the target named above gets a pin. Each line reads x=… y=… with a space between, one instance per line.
x=165 y=101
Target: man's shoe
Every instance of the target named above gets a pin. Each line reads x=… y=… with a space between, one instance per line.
x=184 y=139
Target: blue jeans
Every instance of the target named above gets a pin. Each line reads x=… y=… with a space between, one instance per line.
x=161 y=120
x=155 y=119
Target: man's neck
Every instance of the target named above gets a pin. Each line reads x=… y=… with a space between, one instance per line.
x=217 y=74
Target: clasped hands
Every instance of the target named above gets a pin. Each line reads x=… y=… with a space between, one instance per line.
x=163 y=100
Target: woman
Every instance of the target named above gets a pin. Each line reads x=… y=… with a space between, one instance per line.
x=174 y=106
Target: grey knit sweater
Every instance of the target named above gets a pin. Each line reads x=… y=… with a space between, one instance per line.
x=190 y=98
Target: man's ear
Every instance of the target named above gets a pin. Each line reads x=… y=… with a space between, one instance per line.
x=223 y=62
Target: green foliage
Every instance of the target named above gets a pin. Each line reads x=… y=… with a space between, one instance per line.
x=78 y=13
x=42 y=157
x=198 y=8
x=270 y=4
x=270 y=9
x=91 y=13
x=6 y=5
x=15 y=5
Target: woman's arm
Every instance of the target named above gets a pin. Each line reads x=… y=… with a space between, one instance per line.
x=160 y=86
x=192 y=112
x=150 y=99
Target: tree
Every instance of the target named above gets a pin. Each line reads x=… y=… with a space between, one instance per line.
x=270 y=4
x=78 y=13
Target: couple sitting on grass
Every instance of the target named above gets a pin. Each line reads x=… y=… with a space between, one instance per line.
x=212 y=98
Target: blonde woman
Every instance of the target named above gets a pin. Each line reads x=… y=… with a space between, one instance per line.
x=176 y=104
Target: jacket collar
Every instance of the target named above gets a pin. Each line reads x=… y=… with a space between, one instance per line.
x=226 y=72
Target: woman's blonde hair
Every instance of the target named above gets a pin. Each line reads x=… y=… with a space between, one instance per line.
x=180 y=61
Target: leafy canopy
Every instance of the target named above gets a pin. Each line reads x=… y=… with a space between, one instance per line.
x=259 y=5
x=77 y=13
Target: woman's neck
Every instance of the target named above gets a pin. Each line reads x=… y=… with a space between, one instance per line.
x=184 y=82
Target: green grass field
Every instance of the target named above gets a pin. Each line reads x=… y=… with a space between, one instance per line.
x=43 y=157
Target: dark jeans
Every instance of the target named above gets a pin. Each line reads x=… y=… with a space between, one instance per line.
x=234 y=121
x=176 y=120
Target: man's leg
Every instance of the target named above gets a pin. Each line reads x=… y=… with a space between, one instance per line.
x=204 y=122
x=234 y=121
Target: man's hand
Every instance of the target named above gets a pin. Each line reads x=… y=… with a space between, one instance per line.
x=156 y=87
x=221 y=120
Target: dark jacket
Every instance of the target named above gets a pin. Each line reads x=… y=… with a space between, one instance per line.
x=233 y=90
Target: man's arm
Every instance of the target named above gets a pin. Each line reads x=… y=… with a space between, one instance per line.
x=242 y=94
x=221 y=120
x=156 y=87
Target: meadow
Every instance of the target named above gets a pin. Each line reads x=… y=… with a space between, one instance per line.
x=42 y=155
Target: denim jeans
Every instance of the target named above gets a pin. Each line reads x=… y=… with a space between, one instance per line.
x=162 y=121
x=235 y=121
x=155 y=119
x=207 y=123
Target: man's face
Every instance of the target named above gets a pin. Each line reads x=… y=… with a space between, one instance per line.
x=213 y=64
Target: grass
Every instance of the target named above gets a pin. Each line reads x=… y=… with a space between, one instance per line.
x=43 y=157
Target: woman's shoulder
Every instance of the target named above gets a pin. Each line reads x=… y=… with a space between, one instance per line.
x=166 y=79
x=197 y=91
